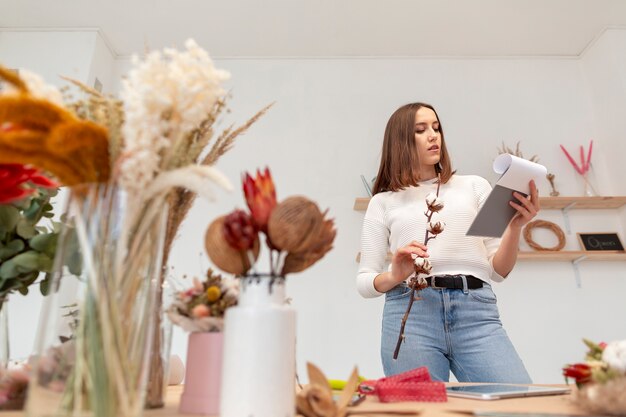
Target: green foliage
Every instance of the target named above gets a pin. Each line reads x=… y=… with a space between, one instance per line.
x=26 y=247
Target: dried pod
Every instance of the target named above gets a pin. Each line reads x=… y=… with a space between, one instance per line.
x=295 y=224
x=296 y=262
x=223 y=255
x=316 y=401
x=302 y=403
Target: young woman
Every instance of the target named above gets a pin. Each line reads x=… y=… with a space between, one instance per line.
x=455 y=324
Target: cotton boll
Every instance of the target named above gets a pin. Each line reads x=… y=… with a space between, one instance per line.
x=615 y=355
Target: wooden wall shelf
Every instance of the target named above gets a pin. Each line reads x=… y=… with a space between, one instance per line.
x=564 y=256
x=601 y=202
x=556 y=203
x=571 y=256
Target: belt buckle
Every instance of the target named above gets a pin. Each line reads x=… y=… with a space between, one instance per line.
x=432 y=284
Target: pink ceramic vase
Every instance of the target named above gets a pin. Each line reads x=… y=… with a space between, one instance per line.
x=203 y=374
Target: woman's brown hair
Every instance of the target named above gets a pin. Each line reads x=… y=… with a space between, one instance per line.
x=399 y=163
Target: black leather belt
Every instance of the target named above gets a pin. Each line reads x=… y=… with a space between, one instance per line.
x=454 y=282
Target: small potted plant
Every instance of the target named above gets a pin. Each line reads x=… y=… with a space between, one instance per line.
x=200 y=311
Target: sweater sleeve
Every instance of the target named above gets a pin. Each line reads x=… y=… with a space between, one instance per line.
x=483 y=188
x=374 y=248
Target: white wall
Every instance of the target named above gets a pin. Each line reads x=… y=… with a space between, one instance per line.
x=326 y=129
x=604 y=70
x=49 y=53
x=102 y=65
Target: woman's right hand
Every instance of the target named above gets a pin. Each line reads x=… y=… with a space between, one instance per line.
x=401 y=266
x=402 y=261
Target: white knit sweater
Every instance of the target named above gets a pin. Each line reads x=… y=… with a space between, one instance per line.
x=394 y=219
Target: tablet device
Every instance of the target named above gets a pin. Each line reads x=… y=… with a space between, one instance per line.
x=499 y=391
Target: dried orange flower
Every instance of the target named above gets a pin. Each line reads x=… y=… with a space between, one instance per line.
x=50 y=137
x=213 y=293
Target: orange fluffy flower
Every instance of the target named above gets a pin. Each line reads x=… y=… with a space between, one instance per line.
x=37 y=132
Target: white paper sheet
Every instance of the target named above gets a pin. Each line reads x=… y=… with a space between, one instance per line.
x=517 y=172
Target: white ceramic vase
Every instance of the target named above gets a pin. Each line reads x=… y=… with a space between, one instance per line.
x=258 y=376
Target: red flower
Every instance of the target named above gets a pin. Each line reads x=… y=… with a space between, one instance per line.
x=581 y=373
x=13 y=178
x=239 y=231
x=260 y=197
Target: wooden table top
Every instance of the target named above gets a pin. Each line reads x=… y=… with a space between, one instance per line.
x=552 y=404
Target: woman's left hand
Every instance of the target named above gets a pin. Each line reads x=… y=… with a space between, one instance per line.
x=527 y=209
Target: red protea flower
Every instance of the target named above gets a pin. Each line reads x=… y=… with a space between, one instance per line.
x=239 y=230
x=581 y=372
x=14 y=178
x=260 y=196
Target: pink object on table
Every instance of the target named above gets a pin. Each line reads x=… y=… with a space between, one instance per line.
x=413 y=385
x=203 y=375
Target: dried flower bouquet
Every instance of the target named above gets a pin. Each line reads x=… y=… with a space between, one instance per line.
x=296 y=232
x=601 y=379
x=201 y=308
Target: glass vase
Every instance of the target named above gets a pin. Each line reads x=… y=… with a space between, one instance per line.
x=95 y=327
x=258 y=374
x=4 y=332
x=160 y=346
x=587 y=181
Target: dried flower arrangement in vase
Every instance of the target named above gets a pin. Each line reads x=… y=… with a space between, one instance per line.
x=584 y=169
x=122 y=159
x=200 y=311
x=297 y=236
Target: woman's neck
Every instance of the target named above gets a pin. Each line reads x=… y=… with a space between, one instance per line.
x=427 y=173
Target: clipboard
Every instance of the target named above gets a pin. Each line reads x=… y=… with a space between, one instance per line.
x=496 y=212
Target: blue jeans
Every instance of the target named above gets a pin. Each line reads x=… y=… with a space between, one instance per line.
x=450 y=330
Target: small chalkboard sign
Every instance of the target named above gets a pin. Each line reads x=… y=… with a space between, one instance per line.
x=605 y=242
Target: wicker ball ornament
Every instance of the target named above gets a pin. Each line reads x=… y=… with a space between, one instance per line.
x=224 y=256
x=295 y=224
x=543 y=224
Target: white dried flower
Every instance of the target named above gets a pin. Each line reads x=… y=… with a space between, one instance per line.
x=165 y=97
x=37 y=87
x=422 y=265
x=433 y=202
x=614 y=355
x=436 y=227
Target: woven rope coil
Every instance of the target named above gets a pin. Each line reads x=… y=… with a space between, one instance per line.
x=543 y=224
